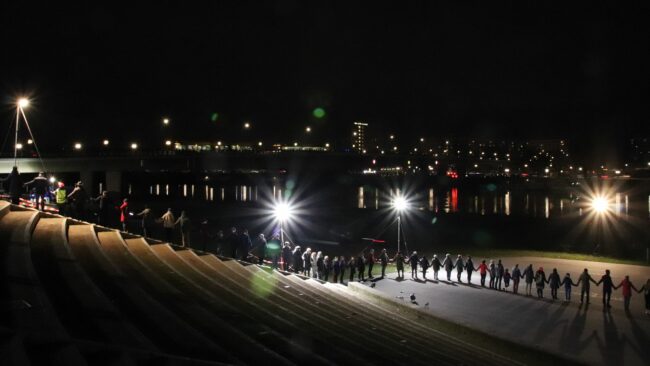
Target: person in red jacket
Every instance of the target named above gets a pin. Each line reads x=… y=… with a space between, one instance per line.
x=627 y=291
x=482 y=269
x=123 y=213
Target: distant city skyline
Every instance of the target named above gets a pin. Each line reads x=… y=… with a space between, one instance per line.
x=500 y=71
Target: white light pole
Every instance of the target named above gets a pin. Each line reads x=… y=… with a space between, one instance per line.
x=22 y=103
x=600 y=205
x=399 y=204
x=283 y=212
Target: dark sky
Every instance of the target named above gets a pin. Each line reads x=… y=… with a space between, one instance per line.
x=530 y=70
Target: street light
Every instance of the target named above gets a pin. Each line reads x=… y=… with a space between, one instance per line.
x=600 y=204
x=20 y=105
x=400 y=204
x=165 y=121
x=283 y=212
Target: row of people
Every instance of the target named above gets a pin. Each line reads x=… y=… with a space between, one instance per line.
x=318 y=265
x=499 y=275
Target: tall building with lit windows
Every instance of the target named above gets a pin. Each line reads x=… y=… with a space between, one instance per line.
x=359 y=137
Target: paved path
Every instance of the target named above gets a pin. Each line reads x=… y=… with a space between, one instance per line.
x=587 y=334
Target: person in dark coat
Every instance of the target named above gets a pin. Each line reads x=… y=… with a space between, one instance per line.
x=320 y=265
x=506 y=279
x=448 y=265
x=436 y=265
x=540 y=280
x=500 y=271
x=105 y=208
x=516 y=277
x=40 y=184
x=297 y=259
x=383 y=260
x=424 y=264
x=554 y=283
x=286 y=256
x=327 y=268
x=371 y=262
x=15 y=184
x=469 y=268
x=361 y=267
x=233 y=242
x=399 y=264
x=459 y=267
x=342 y=265
x=352 y=266
x=567 y=283
x=78 y=198
x=584 y=279
x=413 y=261
x=529 y=276
x=606 y=280
x=336 y=268
x=245 y=245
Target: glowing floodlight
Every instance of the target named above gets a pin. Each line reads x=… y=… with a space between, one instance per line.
x=400 y=203
x=600 y=204
x=283 y=212
x=23 y=102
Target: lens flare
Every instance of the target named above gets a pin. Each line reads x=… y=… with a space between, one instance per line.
x=600 y=204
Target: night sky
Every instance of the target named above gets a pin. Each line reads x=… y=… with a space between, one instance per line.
x=508 y=70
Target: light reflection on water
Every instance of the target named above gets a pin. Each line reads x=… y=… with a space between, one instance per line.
x=533 y=204
x=522 y=203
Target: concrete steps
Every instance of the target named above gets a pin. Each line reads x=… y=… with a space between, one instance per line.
x=74 y=293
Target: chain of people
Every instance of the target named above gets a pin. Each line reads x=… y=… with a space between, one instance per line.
x=315 y=264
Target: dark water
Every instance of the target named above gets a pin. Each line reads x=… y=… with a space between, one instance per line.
x=336 y=217
x=447 y=200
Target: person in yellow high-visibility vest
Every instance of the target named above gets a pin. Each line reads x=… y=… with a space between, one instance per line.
x=61 y=196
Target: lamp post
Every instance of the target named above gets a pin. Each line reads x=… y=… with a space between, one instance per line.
x=399 y=204
x=282 y=213
x=20 y=105
x=600 y=205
